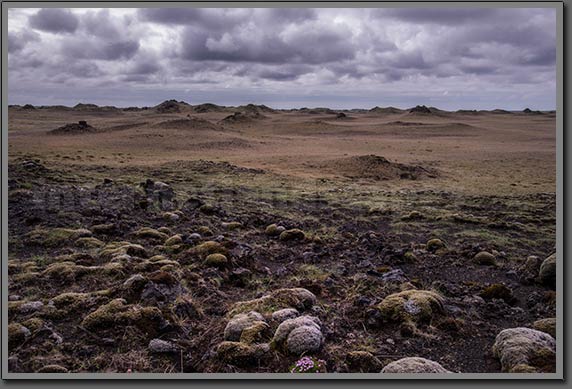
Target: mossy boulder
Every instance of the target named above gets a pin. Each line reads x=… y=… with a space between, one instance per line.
x=284 y=314
x=33 y=324
x=242 y=354
x=414 y=365
x=300 y=335
x=498 y=291
x=115 y=249
x=363 y=362
x=298 y=298
x=118 y=313
x=208 y=248
x=546 y=325
x=205 y=231
x=485 y=258
x=255 y=333
x=17 y=334
x=67 y=271
x=293 y=234
x=234 y=328
x=174 y=240
x=416 y=306
x=274 y=230
x=89 y=243
x=232 y=225
x=525 y=350
x=151 y=235
x=547 y=273
x=216 y=260
x=52 y=237
x=435 y=244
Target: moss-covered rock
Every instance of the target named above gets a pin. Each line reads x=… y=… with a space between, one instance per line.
x=118 y=312
x=546 y=325
x=287 y=326
x=525 y=349
x=547 y=273
x=205 y=231
x=216 y=260
x=151 y=234
x=485 y=258
x=242 y=354
x=434 y=245
x=414 y=365
x=417 y=306
x=274 y=230
x=294 y=234
x=17 y=334
x=89 y=243
x=232 y=225
x=298 y=298
x=362 y=362
x=115 y=249
x=255 y=333
x=234 y=328
x=52 y=237
x=174 y=240
x=210 y=247
x=498 y=291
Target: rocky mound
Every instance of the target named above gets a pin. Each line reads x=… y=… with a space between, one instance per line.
x=80 y=127
x=190 y=123
x=171 y=106
x=529 y=111
x=242 y=118
x=208 y=107
x=420 y=109
x=253 y=108
x=377 y=168
x=386 y=110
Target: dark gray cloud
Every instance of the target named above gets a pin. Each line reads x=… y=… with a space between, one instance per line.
x=463 y=54
x=54 y=20
x=99 y=49
x=18 y=40
x=440 y=16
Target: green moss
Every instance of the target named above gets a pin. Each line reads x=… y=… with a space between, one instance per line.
x=205 y=231
x=17 y=334
x=115 y=249
x=56 y=236
x=298 y=298
x=232 y=225
x=151 y=234
x=498 y=291
x=485 y=258
x=434 y=245
x=312 y=272
x=411 y=306
x=255 y=333
x=207 y=248
x=216 y=260
x=174 y=240
x=89 y=243
x=546 y=325
x=118 y=312
x=293 y=234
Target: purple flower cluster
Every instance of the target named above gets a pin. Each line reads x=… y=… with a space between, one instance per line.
x=309 y=365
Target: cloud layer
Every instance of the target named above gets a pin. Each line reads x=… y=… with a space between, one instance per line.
x=448 y=57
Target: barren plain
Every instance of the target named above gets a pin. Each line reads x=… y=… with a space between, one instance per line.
x=201 y=238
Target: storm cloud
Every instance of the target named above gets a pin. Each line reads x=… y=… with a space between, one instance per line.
x=474 y=58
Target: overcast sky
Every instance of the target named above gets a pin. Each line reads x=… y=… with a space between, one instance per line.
x=451 y=58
